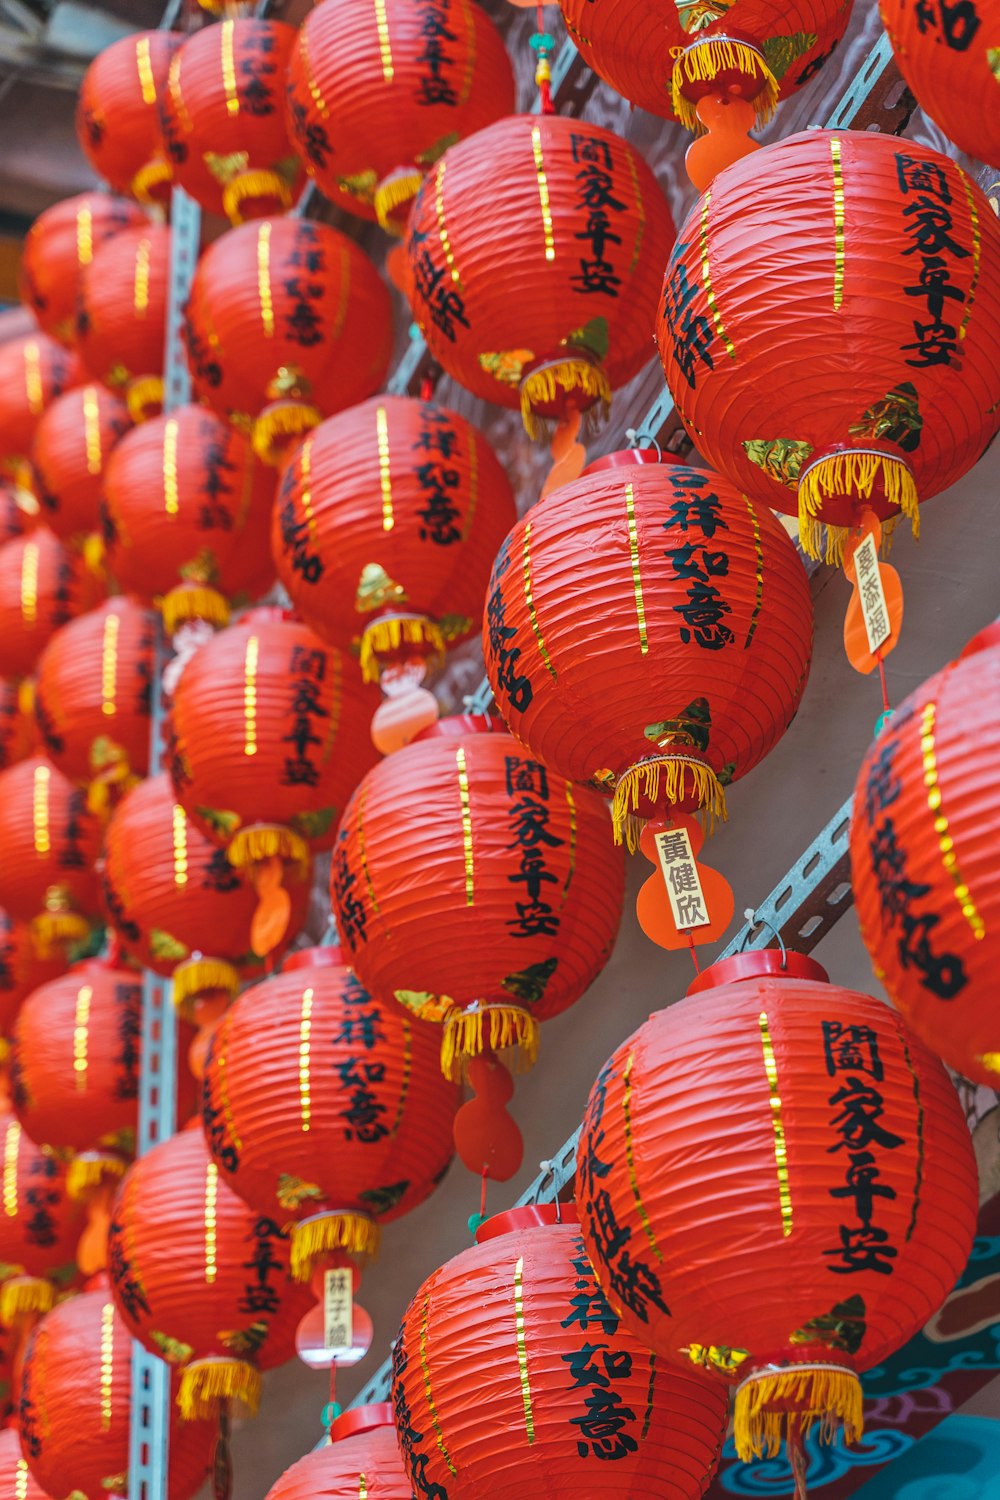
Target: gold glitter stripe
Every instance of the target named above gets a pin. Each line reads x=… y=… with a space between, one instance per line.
x=92 y=429
x=384 y=40
x=640 y=209
x=171 y=499
x=180 y=845
x=141 y=296
x=571 y=804
x=530 y=602
x=543 y=193
x=473 y=485
x=21 y=1480
x=220 y=1059
x=760 y=572
x=946 y=843
x=84 y=236
x=977 y=249
x=176 y=95
x=250 y=696
x=305 y=485
x=40 y=810
x=229 y=68
x=107 y=1362
x=384 y=466
x=11 y=1146
x=470 y=51
x=147 y=82
x=648 y=1417
x=29 y=583
x=211 y=1222
x=363 y=853
x=264 y=279
x=312 y=83
x=780 y=1148
x=630 y=1160
x=838 y=223
x=706 y=278
x=463 y=791
x=633 y=543
x=81 y=1023
x=407 y=1071
x=305 y=1027
x=442 y=226
x=33 y=378
x=109 y=663
x=918 y=1175
x=362 y=1487
x=431 y=1407
x=522 y=1352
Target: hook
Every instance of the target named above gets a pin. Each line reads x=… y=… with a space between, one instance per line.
x=548 y=1169
x=636 y=437
x=752 y=919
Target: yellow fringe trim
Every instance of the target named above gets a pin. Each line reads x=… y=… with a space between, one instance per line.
x=265 y=840
x=94 y=554
x=383 y=636
x=87 y=1173
x=50 y=928
x=257 y=184
x=193 y=602
x=828 y=1394
x=142 y=393
x=681 y=777
x=208 y=1382
x=22 y=1295
x=851 y=473
x=26 y=697
x=196 y=975
x=156 y=173
x=292 y=420
x=355 y=1233
x=703 y=61
x=392 y=193
x=466 y=1034
x=543 y=386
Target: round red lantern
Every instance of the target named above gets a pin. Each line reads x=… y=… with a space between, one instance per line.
x=777 y=1132
x=39 y=1226
x=57 y=248
x=74 y=1411
x=118 y=114
x=375 y=96
x=649 y=629
x=387 y=521
x=15 y=1476
x=187 y=510
x=923 y=860
x=476 y=886
x=72 y=444
x=578 y=1406
x=49 y=841
x=287 y=322
x=16 y=517
x=224 y=119
x=92 y=695
x=874 y=315
x=326 y=1106
x=42 y=585
x=34 y=370
x=200 y=1279
x=361 y=1458
x=547 y=307
x=24 y=965
x=18 y=731
x=948 y=59
x=122 y=314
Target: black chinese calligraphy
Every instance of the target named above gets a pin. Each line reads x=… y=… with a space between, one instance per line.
x=528 y=817
x=697 y=514
x=435 y=81
x=689 y=332
x=363 y=1111
x=433 y=284
x=604 y=1423
x=956 y=25
x=296 y=535
x=307 y=671
x=597 y=199
x=411 y=1440
x=352 y=918
x=437 y=478
x=509 y=677
x=128 y=1009
x=928 y=224
x=262 y=1290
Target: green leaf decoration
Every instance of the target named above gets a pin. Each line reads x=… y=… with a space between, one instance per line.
x=781 y=51
x=895 y=416
x=593 y=337
x=222 y=822
x=530 y=984
x=843 y=1327
x=780 y=458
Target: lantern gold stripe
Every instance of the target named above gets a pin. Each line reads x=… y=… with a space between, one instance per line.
x=363 y=853
x=384 y=40
x=305 y=1028
x=633 y=543
x=176 y=94
x=918 y=1171
x=91 y=429
x=107 y=1362
x=144 y=250
x=706 y=278
x=147 y=82
x=220 y=1058
x=777 y=1125
x=543 y=193
x=648 y=1416
x=431 y=1407
x=838 y=223
x=442 y=226
x=463 y=792
x=571 y=871
x=171 y=499
x=522 y=1351
x=362 y=1487
x=211 y=1221
x=759 y=551
x=21 y=1480
x=33 y=378
x=264 y=279
x=180 y=845
x=315 y=91
x=81 y=1024
x=384 y=466
x=305 y=486
x=11 y=1146
x=109 y=663
x=946 y=843
x=250 y=696
x=404 y=1087
x=640 y=211
x=470 y=50
x=630 y=1160
x=29 y=583
x=84 y=236
x=40 y=810
x=977 y=250
x=344 y=282
x=530 y=602
x=229 y=68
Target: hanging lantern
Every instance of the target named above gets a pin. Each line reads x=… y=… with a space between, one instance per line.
x=42 y=586
x=15 y=518
x=15 y=1476
x=92 y=696
x=775 y=1132
x=875 y=315
x=577 y=1406
x=375 y=96
x=387 y=521
x=18 y=731
x=361 y=1458
x=75 y=1405
x=584 y=226
x=118 y=114
x=48 y=844
x=59 y=246
x=199 y=1278
x=39 y=1227
x=287 y=322
x=924 y=860
x=34 y=370
x=24 y=965
x=187 y=510
x=948 y=58
x=73 y=442
x=122 y=315
x=224 y=119
x=674 y=613
x=326 y=1107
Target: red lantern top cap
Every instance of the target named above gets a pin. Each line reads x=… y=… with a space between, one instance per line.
x=314 y=958
x=624 y=458
x=361 y=1419
x=527 y=1216
x=457 y=726
x=983 y=640
x=758 y=963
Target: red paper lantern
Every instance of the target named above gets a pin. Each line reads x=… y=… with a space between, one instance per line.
x=187 y=510
x=374 y=97
x=48 y=844
x=92 y=694
x=42 y=586
x=577 y=1406
x=948 y=59
x=224 y=119
x=476 y=886
x=361 y=1458
x=122 y=315
x=326 y=1106
x=287 y=322
x=874 y=315
x=199 y=1278
x=387 y=521
x=649 y=629
x=39 y=1227
x=34 y=370
x=15 y=517
x=15 y=1476
x=75 y=1407
x=24 y=965
x=546 y=307
x=118 y=115
x=924 y=860
x=18 y=731
x=775 y=1132
x=58 y=247
x=73 y=442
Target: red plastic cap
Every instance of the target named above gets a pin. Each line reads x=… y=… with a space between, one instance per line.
x=457 y=726
x=529 y=1216
x=624 y=458
x=361 y=1419
x=314 y=958
x=758 y=963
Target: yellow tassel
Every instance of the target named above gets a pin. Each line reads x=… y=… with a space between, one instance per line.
x=468 y=1033
x=22 y=1295
x=86 y=1173
x=265 y=840
x=5 y=1049
x=94 y=554
x=193 y=601
x=704 y=60
x=257 y=184
x=355 y=1233
x=383 y=636
x=828 y=1394
x=851 y=473
x=144 y=392
x=542 y=387
x=391 y=193
x=26 y=697
x=208 y=1382
x=51 y=928
x=682 y=776
x=289 y=420
x=196 y=975
x=155 y=174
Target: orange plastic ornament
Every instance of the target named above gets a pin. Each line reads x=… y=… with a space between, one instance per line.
x=72 y=444
x=118 y=114
x=487 y=1137
x=122 y=314
x=48 y=844
x=726 y=119
x=688 y=929
x=58 y=247
x=856 y=642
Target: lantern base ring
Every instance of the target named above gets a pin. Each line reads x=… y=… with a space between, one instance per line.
x=720 y=63
x=152 y=183
x=833 y=484
x=22 y=1296
x=394 y=192
x=488 y=1028
x=395 y=633
x=345 y=1229
x=265 y=841
x=777 y=1399
x=196 y=976
x=193 y=601
x=685 y=779
x=555 y=386
x=57 y=928
x=91 y=1170
x=206 y=1383
x=144 y=397
x=254 y=185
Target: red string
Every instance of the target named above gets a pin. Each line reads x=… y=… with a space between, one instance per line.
x=694 y=951
x=333 y=1385
x=482 y=1196
x=426 y=388
x=886 y=705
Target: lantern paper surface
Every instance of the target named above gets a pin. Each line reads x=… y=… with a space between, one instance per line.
x=118 y=113
x=364 y=1462
x=42 y=585
x=22 y=968
x=48 y=844
x=72 y=443
x=34 y=370
x=18 y=730
x=15 y=1477
x=948 y=56
x=121 y=320
x=40 y=1224
x=57 y=248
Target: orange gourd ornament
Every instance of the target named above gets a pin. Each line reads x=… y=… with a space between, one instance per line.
x=15 y=1477
x=24 y=965
x=948 y=56
x=39 y=1228
x=362 y=1457
x=875 y=315
x=118 y=114
x=73 y=442
x=49 y=841
x=42 y=586
x=58 y=247
x=374 y=97
x=122 y=315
